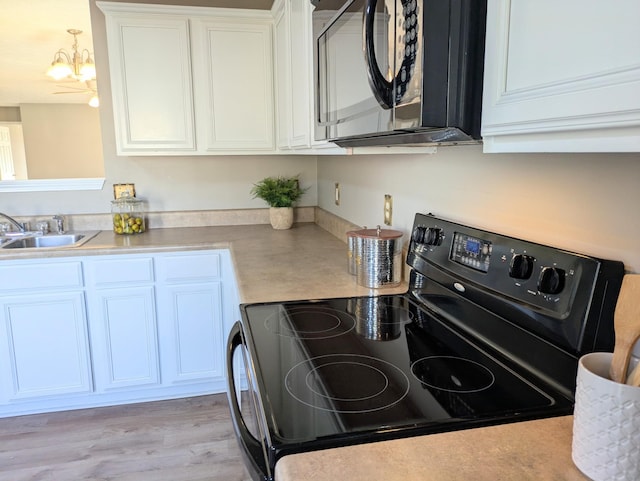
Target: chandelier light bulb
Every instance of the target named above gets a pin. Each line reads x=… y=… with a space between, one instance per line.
x=59 y=68
x=94 y=101
x=88 y=70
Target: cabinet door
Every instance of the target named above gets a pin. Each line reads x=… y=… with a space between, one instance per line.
x=282 y=73
x=293 y=71
x=151 y=83
x=123 y=337
x=43 y=346
x=233 y=75
x=561 y=76
x=301 y=46
x=191 y=332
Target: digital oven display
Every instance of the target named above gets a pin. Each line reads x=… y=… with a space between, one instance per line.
x=471 y=252
x=473 y=246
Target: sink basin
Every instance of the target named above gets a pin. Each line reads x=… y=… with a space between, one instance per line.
x=49 y=240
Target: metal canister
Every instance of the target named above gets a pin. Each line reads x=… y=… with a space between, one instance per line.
x=378 y=257
x=354 y=249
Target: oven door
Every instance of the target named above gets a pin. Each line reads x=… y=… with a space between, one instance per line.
x=247 y=413
x=367 y=64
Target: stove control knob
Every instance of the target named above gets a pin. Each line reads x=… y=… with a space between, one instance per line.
x=551 y=280
x=418 y=234
x=521 y=266
x=433 y=236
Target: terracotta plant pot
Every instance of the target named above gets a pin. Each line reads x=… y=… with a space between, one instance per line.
x=281 y=217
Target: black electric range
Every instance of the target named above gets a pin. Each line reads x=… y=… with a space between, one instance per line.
x=489 y=331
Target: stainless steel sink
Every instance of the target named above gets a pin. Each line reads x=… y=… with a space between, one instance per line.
x=50 y=240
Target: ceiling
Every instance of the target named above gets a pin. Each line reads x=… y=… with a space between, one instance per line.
x=31 y=31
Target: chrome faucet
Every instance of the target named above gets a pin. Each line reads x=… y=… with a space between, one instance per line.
x=17 y=224
x=59 y=223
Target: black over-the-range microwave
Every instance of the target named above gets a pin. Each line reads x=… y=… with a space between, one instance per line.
x=389 y=72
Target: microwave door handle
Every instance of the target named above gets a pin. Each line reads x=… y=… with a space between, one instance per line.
x=390 y=93
x=381 y=87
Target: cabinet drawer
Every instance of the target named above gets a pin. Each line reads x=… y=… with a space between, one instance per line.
x=189 y=267
x=119 y=270
x=40 y=275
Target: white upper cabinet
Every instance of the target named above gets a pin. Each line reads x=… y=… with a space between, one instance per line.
x=190 y=80
x=293 y=67
x=562 y=76
x=294 y=70
x=234 y=83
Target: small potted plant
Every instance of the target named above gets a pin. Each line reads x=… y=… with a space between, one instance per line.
x=280 y=193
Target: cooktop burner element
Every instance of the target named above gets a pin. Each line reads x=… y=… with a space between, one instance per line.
x=489 y=331
x=309 y=322
x=347 y=383
x=452 y=374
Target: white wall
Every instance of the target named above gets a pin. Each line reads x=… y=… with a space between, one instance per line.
x=62 y=141
x=586 y=203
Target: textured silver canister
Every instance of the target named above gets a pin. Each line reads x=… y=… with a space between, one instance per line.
x=354 y=250
x=378 y=257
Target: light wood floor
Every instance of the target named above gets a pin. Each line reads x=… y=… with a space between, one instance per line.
x=179 y=440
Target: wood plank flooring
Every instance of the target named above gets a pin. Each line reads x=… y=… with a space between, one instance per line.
x=178 y=440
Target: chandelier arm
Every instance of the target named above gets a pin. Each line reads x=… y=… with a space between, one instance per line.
x=61 y=53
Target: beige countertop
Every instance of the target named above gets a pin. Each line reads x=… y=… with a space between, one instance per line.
x=307 y=262
x=526 y=451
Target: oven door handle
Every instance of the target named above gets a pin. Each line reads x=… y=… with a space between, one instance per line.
x=254 y=452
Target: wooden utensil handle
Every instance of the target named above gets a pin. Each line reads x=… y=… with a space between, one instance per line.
x=634 y=377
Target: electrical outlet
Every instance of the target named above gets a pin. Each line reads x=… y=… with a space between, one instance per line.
x=337 y=194
x=388 y=209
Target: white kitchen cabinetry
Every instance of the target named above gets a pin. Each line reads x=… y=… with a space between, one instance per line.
x=190 y=80
x=562 y=77
x=44 y=350
x=293 y=66
x=122 y=314
x=191 y=324
x=151 y=81
x=154 y=327
x=294 y=70
x=233 y=85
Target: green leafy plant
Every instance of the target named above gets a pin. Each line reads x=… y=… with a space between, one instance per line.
x=278 y=191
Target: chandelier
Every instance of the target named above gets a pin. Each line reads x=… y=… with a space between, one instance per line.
x=78 y=65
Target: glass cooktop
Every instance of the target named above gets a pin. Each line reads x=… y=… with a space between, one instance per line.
x=352 y=366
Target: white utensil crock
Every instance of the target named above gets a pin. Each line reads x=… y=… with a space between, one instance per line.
x=606 y=426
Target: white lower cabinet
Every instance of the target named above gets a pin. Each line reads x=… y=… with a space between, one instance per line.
x=43 y=346
x=124 y=341
x=112 y=329
x=122 y=319
x=190 y=307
